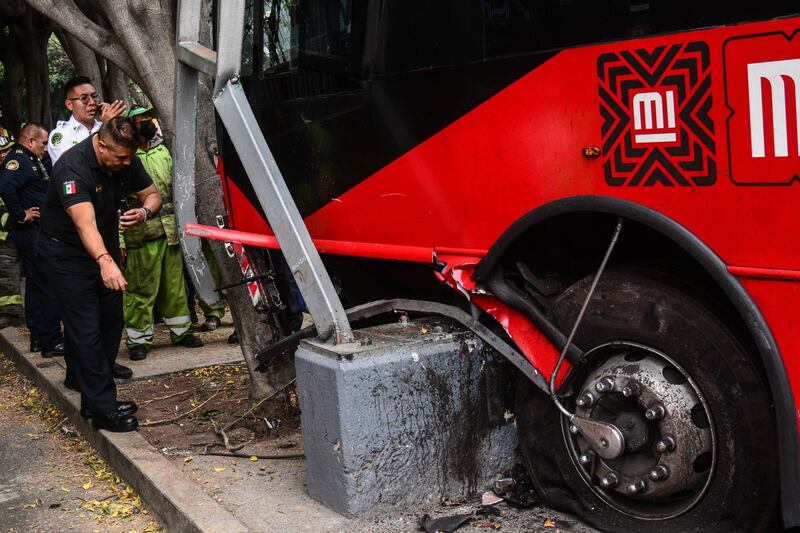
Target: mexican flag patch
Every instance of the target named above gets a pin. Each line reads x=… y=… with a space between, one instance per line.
x=69 y=188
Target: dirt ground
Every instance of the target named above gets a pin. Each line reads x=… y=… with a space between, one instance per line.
x=51 y=480
x=208 y=411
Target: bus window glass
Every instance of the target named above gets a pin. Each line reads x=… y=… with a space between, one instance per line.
x=247 y=41
x=280 y=34
x=294 y=30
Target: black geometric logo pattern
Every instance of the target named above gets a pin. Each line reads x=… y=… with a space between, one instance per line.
x=687 y=157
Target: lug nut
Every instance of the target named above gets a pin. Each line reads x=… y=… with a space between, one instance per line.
x=655 y=412
x=665 y=444
x=636 y=487
x=586 y=458
x=610 y=481
x=574 y=429
x=632 y=389
x=604 y=385
x=585 y=400
x=659 y=473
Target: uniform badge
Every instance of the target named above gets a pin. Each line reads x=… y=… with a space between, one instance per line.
x=69 y=188
x=99 y=188
x=12 y=165
x=56 y=140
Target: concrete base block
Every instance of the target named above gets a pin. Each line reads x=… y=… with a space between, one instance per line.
x=418 y=416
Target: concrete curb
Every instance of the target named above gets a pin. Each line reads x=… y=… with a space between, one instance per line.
x=179 y=503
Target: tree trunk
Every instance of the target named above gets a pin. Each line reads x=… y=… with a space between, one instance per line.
x=13 y=85
x=35 y=33
x=84 y=59
x=251 y=326
x=115 y=84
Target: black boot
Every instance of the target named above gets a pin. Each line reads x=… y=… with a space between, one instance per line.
x=137 y=353
x=122 y=372
x=115 y=422
x=123 y=409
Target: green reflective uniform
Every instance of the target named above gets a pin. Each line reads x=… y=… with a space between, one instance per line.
x=154 y=264
x=10 y=297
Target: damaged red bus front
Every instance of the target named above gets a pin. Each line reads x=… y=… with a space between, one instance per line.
x=487 y=150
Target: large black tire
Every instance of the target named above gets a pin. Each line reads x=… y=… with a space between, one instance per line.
x=649 y=309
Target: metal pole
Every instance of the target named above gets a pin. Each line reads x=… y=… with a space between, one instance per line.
x=321 y=299
x=183 y=185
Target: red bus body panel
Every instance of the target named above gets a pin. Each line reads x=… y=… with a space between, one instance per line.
x=710 y=149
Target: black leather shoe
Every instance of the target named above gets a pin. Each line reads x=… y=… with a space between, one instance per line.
x=36 y=346
x=122 y=372
x=189 y=341
x=71 y=385
x=123 y=409
x=55 y=351
x=137 y=353
x=115 y=422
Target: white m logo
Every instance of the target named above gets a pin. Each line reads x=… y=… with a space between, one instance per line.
x=775 y=73
x=648 y=114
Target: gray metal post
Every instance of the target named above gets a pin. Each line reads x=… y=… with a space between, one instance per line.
x=321 y=299
x=186 y=79
x=276 y=201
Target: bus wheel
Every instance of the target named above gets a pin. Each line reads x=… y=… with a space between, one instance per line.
x=700 y=450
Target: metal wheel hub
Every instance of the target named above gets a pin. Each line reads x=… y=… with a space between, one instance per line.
x=670 y=448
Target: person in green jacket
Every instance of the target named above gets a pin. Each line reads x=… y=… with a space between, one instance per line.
x=152 y=254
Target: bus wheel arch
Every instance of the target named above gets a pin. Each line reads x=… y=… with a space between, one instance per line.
x=581 y=228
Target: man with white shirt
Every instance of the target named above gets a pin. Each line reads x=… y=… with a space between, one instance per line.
x=84 y=103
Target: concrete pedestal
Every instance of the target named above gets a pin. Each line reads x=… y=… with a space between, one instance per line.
x=419 y=415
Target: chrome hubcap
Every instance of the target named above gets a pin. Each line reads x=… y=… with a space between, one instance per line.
x=670 y=446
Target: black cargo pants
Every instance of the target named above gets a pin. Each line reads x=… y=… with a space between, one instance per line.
x=92 y=316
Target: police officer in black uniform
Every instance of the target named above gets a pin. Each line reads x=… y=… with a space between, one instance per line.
x=23 y=184
x=79 y=245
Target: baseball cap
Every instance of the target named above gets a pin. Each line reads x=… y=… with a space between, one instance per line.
x=140 y=110
x=6 y=139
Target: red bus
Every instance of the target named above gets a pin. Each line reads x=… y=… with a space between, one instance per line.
x=486 y=150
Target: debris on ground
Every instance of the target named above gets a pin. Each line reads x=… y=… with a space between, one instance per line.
x=517 y=489
x=504 y=485
x=208 y=411
x=490 y=498
x=446 y=524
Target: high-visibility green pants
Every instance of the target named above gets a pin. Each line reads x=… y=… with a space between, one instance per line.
x=155 y=276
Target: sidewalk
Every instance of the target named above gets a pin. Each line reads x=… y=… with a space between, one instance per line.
x=175 y=499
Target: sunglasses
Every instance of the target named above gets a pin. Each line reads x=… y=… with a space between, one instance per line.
x=84 y=98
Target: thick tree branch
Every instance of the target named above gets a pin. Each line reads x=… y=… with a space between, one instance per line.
x=73 y=21
x=83 y=58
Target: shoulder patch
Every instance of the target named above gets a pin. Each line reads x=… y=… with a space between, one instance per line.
x=57 y=138
x=69 y=187
x=12 y=165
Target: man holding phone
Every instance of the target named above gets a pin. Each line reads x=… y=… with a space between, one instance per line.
x=78 y=245
x=82 y=100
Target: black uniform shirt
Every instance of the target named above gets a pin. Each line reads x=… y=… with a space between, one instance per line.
x=77 y=177
x=23 y=184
